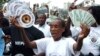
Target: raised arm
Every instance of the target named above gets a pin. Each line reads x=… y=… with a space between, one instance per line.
x=23 y=34
x=27 y=42
x=83 y=34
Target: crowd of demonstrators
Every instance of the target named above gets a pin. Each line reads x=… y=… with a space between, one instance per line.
x=57 y=43
x=60 y=43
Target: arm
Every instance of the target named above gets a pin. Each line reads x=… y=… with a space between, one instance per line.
x=85 y=31
x=7 y=38
x=77 y=46
x=26 y=40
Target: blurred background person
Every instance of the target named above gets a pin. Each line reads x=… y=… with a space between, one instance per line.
x=92 y=43
x=42 y=25
x=3 y=38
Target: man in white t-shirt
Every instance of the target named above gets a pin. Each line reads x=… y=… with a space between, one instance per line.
x=57 y=45
x=42 y=25
x=91 y=44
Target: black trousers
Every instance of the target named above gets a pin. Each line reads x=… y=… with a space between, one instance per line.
x=21 y=49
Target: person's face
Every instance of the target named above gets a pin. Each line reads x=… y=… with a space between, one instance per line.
x=41 y=19
x=56 y=29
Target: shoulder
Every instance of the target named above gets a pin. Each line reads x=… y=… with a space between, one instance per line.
x=70 y=40
x=46 y=39
x=36 y=33
x=35 y=30
x=47 y=25
x=43 y=40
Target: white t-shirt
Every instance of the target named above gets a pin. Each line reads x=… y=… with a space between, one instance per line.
x=91 y=43
x=75 y=31
x=45 y=29
x=63 y=47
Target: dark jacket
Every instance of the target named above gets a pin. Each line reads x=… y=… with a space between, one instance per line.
x=33 y=34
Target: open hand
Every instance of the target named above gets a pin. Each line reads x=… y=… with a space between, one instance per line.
x=15 y=22
x=7 y=38
x=85 y=31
